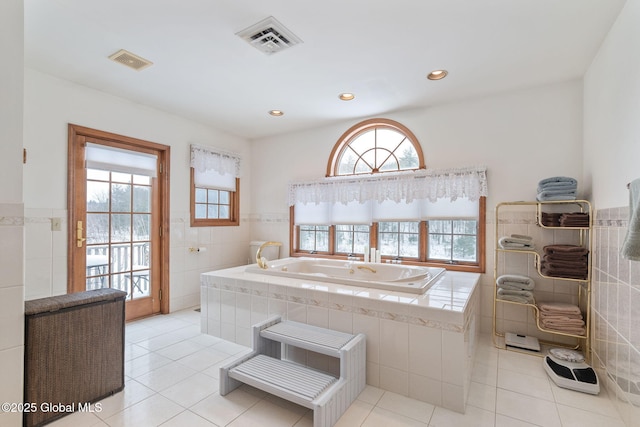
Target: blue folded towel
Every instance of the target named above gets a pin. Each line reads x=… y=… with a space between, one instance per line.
x=557 y=179
x=546 y=196
x=631 y=244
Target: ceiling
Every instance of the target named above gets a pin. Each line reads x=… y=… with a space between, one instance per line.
x=379 y=50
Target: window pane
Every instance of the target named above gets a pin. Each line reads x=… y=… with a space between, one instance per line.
x=201 y=211
x=97 y=228
x=388 y=244
x=440 y=226
x=121 y=177
x=347 y=163
x=98 y=175
x=408 y=245
x=201 y=195
x=224 y=212
x=464 y=248
x=213 y=196
x=307 y=240
x=212 y=211
x=141 y=227
x=120 y=198
x=407 y=156
x=439 y=246
x=141 y=179
x=224 y=197
x=141 y=198
x=120 y=228
x=97 y=196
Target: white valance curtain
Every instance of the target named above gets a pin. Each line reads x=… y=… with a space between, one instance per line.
x=389 y=196
x=214 y=168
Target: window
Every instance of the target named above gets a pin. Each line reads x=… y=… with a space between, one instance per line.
x=215 y=188
x=378 y=194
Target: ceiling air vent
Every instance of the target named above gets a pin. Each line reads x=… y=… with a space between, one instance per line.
x=269 y=36
x=130 y=60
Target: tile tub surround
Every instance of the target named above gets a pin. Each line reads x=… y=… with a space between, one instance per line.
x=420 y=346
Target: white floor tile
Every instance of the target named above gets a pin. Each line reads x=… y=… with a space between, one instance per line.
x=266 y=414
x=187 y=418
x=221 y=410
x=379 y=417
x=355 y=414
x=191 y=390
x=522 y=382
x=526 y=408
x=574 y=417
x=411 y=408
x=151 y=411
x=165 y=376
x=473 y=417
x=482 y=396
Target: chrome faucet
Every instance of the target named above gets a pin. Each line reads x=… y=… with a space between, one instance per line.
x=262 y=262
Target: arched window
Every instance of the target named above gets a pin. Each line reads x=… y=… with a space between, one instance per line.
x=377 y=145
x=378 y=194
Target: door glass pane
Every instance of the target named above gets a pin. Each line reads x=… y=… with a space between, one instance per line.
x=141 y=198
x=97 y=196
x=120 y=198
x=141 y=227
x=120 y=227
x=97 y=228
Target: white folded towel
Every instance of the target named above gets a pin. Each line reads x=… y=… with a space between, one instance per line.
x=515 y=282
x=516 y=241
x=524 y=297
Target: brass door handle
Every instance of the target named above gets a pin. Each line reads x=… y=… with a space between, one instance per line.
x=79 y=238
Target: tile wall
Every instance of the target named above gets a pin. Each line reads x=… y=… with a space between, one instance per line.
x=616 y=313
x=11 y=308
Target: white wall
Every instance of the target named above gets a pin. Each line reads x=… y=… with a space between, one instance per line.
x=612 y=112
x=521 y=136
x=11 y=209
x=50 y=104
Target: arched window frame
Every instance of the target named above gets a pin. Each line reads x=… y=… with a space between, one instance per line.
x=361 y=128
x=330 y=231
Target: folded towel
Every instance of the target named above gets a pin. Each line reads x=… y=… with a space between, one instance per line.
x=526 y=294
x=522 y=299
x=564 y=273
x=515 y=282
x=559 y=188
x=516 y=241
x=558 y=264
x=551 y=195
x=565 y=250
x=558 y=308
x=557 y=179
x=574 y=219
x=631 y=243
x=568 y=330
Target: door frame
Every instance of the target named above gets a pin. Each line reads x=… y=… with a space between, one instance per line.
x=164 y=156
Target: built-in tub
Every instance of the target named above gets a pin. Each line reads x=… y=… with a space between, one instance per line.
x=418 y=345
x=390 y=277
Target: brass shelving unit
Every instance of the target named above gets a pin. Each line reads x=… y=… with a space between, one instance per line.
x=584 y=285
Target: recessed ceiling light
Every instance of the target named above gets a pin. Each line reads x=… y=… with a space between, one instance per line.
x=276 y=113
x=346 y=96
x=437 y=74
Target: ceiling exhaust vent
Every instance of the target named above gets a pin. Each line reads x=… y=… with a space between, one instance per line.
x=269 y=36
x=130 y=60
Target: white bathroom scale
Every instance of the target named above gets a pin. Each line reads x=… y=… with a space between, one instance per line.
x=567 y=369
x=523 y=342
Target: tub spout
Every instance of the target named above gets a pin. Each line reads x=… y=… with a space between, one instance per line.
x=366 y=267
x=262 y=263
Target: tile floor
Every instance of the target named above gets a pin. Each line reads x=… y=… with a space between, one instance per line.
x=172 y=380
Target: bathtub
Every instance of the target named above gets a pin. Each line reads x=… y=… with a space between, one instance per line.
x=390 y=277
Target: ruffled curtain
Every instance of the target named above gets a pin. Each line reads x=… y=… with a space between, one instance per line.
x=205 y=159
x=432 y=185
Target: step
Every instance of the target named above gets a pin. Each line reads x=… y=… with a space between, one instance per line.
x=308 y=337
x=282 y=378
